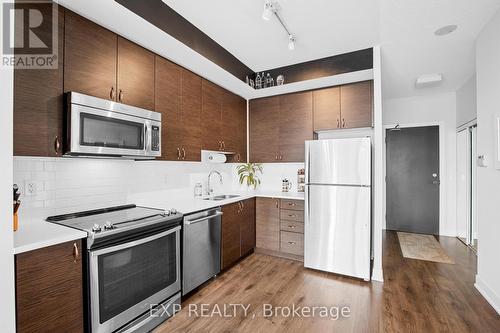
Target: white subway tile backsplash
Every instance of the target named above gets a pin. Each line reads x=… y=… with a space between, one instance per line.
x=67 y=185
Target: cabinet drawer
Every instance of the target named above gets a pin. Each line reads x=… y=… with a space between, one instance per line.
x=292 y=226
x=292 y=204
x=292 y=215
x=292 y=243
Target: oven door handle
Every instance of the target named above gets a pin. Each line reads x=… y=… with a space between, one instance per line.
x=188 y=222
x=134 y=243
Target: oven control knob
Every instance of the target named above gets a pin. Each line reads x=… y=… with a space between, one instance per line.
x=173 y=211
x=166 y=213
x=108 y=226
x=96 y=228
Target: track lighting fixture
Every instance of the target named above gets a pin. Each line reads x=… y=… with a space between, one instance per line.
x=270 y=10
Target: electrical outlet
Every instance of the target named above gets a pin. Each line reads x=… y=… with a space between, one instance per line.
x=30 y=189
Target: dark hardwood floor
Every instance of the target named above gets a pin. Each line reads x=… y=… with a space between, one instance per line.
x=417 y=296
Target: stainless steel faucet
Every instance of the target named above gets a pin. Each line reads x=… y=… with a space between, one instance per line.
x=210 y=189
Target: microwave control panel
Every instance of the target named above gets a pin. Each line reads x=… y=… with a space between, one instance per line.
x=155 y=138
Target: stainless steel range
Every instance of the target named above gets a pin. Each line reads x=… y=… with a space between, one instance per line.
x=133 y=261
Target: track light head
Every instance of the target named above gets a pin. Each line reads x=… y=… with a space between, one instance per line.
x=291 y=42
x=269 y=10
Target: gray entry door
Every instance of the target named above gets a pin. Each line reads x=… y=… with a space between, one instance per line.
x=413 y=180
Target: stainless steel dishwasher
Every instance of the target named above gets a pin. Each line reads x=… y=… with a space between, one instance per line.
x=201 y=248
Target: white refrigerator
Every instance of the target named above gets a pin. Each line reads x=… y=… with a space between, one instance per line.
x=337 y=231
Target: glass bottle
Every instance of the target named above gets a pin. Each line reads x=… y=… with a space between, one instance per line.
x=258 y=82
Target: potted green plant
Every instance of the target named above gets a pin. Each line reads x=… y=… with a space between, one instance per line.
x=247 y=173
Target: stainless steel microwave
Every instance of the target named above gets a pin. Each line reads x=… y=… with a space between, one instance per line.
x=102 y=128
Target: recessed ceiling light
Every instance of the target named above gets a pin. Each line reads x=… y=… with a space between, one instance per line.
x=447 y=29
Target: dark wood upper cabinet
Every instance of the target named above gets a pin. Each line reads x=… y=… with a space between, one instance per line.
x=211 y=115
x=247 y=227
x=279 y=126
x=168 y=102
x=326 y=106
x=38 y=103
x=356 y=102
x=295 y=126
x=90 y=57
x=264 y=129
x=135 y=75
x=230 y=252
x=234 y=127
x=49 y=290
x=191 y=88
x=178 y=98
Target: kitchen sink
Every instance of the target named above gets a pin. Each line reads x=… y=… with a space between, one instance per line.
x=222 y=197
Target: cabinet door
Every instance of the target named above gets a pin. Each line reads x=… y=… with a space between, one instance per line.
x=326 y=109
x=241 y=152
x=295 y=126
x=356 y=104
x=89 y=58
x=38 y=102
x=168 y=103
x=211 y=116
x=230 y=122
x=135 y=79
x=231 y=250
x=247 y=230
x=264 y=129
x=191 y=116
x=267 y=220
x=49 y=291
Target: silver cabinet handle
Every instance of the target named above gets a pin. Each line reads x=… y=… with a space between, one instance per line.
x=112 y=93
x=292 y=243
x=120 y=95
x=76 y=253
x=57 y=145
x=277 y=205
x=292 y=215
x=292 y=204
x=178 y=153
x=343 y=122
x=183 y=153
x=188 y=222
x=291 y=226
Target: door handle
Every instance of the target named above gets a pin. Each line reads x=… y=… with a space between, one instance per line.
x=343 y=122
x=188 y=222
x=57 y=145
x=120 y=95
x=178 y=153
x=183 y=153
x=112 y=93
x=76 y=253
x=338 y=123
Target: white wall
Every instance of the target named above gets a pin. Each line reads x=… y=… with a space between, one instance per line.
x=467 y=102
x=440 y=108
x=488 y=104
x=7 y=313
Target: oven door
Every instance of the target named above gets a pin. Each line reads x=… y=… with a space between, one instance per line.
x=100 y=132
x=127 y=279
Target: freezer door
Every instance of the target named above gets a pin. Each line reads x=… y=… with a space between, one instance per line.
x=337 y=229
x=339 y=161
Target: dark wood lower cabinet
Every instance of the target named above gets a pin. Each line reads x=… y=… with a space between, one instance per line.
x=247 y=228
x=238 y=231
x=49 y=291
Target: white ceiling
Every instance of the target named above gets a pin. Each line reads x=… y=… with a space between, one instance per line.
x=403 y=28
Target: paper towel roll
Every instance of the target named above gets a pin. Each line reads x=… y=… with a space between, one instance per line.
x=216 y=158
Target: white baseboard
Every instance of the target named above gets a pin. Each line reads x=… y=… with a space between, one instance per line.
x=488 y=293
x=377 y=275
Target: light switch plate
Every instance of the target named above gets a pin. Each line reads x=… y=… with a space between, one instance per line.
x=29 y=188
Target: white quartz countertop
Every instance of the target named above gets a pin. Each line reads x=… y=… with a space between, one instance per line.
x=190 y=204
x=33 y=235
